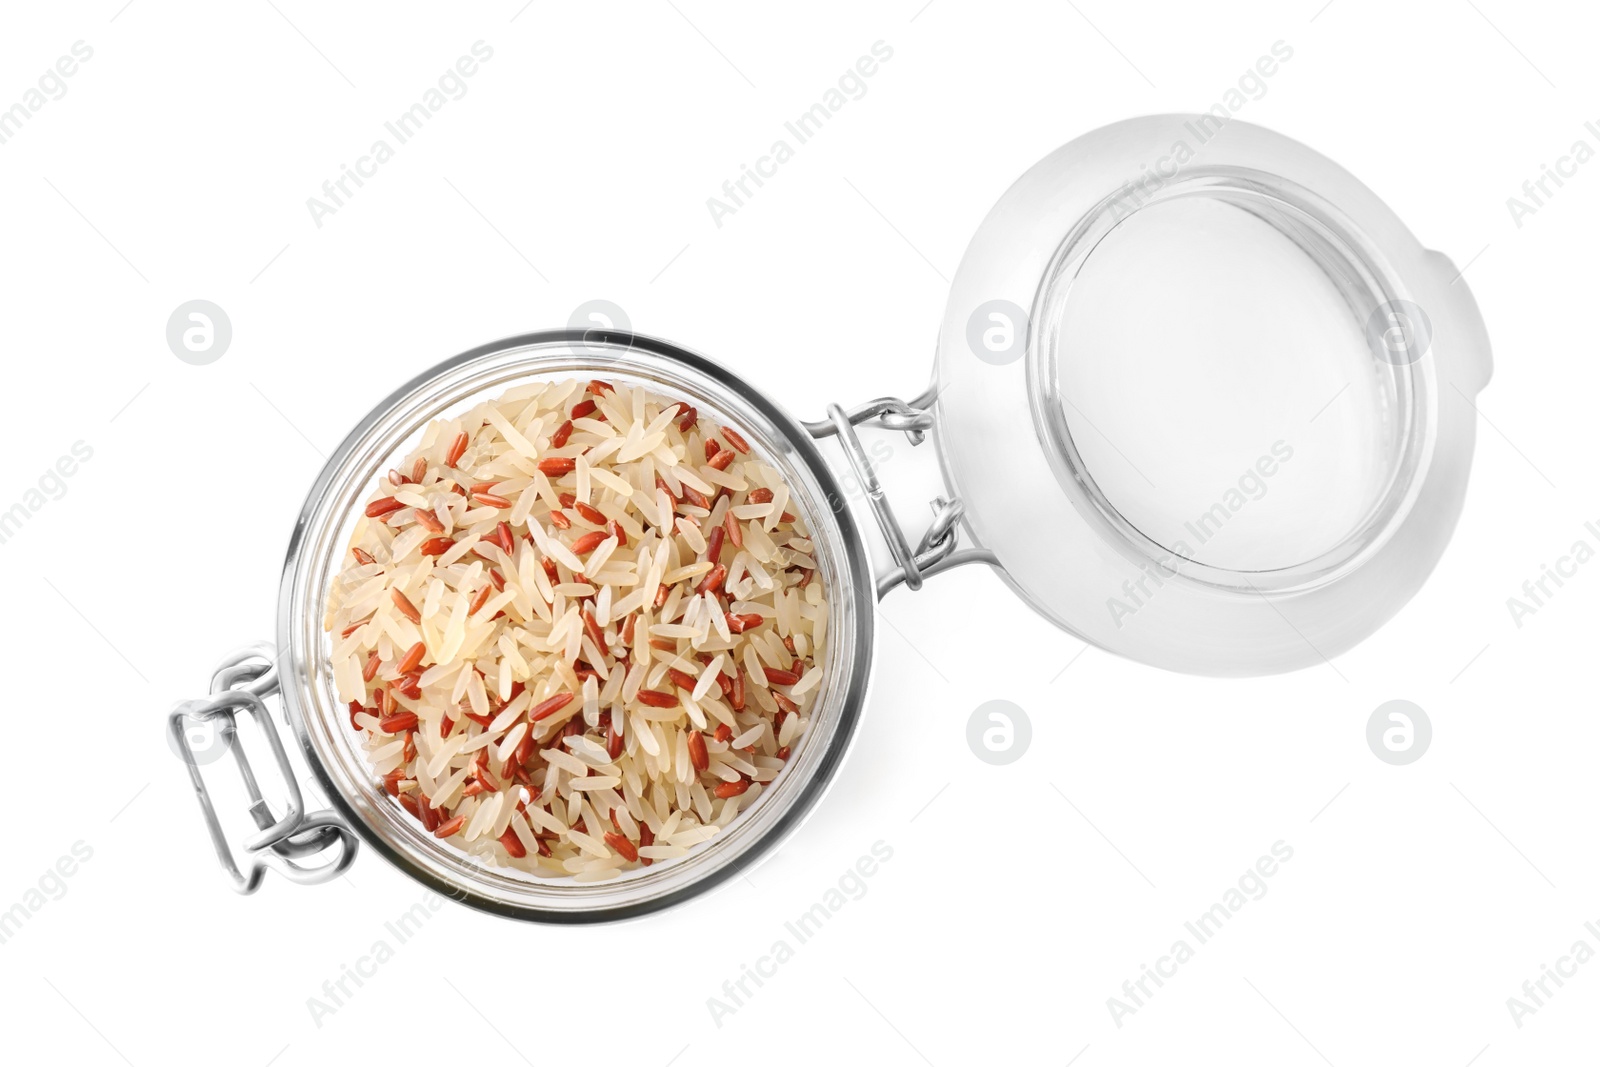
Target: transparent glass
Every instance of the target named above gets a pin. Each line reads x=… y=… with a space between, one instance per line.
x=317 y=550
x=1200 y=392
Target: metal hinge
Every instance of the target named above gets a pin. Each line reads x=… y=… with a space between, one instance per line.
x=241 y=684
x=937 y=550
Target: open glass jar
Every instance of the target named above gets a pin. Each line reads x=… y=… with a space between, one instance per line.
x=1198 y=397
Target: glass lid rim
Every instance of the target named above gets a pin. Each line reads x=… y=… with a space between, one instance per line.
x=1343 y=238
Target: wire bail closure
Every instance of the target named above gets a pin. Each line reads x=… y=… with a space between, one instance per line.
x=936 y=551
x=240 y=684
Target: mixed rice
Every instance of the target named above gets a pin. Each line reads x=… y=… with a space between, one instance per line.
x=580 y=627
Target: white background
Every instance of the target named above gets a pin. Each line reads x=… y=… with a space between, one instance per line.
x=1019 y=898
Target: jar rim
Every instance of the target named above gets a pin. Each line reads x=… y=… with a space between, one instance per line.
x=312 y=710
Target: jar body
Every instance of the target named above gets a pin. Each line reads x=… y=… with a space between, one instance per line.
x=335 y=505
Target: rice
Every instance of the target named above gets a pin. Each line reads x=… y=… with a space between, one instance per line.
x=610 y=621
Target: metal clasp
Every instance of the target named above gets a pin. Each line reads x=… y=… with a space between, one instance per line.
x=241 y=683
x=937 y=550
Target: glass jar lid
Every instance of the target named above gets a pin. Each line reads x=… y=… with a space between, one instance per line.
x=1196 y=387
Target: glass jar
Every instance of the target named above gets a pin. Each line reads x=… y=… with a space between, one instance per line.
x=1198 y=411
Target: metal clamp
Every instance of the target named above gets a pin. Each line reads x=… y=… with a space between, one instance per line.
x=937 y=550
x=240 y=684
